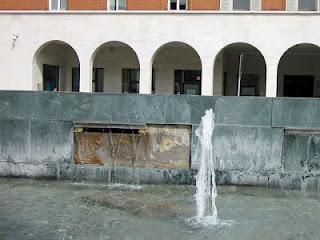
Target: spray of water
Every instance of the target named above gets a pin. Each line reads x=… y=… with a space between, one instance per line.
x=205 y=180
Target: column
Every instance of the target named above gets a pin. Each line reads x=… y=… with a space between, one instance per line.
x=145 y=86
x=272 y=78
x=85 y=75
x=207 y=79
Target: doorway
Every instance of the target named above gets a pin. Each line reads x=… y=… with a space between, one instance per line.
x=50 y=77
x=298 y=86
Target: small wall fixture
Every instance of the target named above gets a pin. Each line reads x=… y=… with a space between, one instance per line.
x=14 y=40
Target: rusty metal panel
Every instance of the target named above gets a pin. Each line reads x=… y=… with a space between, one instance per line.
x=156 y=146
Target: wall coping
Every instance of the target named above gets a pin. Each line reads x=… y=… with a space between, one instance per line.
x=160 y=12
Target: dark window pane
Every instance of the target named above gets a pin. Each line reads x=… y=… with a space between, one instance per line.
x=241 y=5
x=307 y=5
x=98 y=79
x=130 y=80
x=187 y=82
x=75 y=79
x=249 y=85
x=173 y=5
x=153 y=81
x=182 y=5
x=298 y=86
x=50 y=78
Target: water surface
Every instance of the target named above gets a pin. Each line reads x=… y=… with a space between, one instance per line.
x=34 y=209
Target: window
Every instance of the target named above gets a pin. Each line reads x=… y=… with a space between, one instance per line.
x=241 y=5
x=75 y=79
x=298 y=86
x=187 y=82
x=57 y=5
x=130 y=80
x=117 y=5
x=97 y=79
x=307 y=5
x=50 y=78
x=249 y=85
x=177 y=4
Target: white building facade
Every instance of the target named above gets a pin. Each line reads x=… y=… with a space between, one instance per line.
x=271 y=54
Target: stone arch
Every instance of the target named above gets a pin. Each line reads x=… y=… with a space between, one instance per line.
x=56 y=67
x=298 y=71
x=116 y=68
x=241 y=59
x=176 y=69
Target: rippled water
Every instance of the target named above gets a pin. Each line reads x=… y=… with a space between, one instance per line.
x=32 y=209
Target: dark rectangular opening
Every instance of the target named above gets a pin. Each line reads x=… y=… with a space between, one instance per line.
x=111 y=130
x=298 y=86
x=130 y=80
x=98 y=79
x=187 y=82
x=75 y=79
x=50 y=77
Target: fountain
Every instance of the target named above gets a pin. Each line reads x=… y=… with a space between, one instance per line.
x=205 y=180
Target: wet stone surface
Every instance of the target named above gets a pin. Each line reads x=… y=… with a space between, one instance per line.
x=33 y=209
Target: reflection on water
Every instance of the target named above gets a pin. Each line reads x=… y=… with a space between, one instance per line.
x=32 y=209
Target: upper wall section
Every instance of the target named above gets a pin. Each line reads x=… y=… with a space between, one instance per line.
x=87 y=5
x=162 y=5
x=271 y=5
x=24 y=5
x=146 y=5
x=204 y=4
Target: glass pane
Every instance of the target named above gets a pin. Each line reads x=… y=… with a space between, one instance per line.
x=183 y=4
x=50 y=78
x=241 y=5
x=130 y=80
x=173 y=4
x=125 y=86
x=54 y=4
x=192 y=89
x=134 y=87
x=75 y=79
x=178 y=75
x=192 y=75
x=112 y=5
x=307 y=5
x=122 y=4
x=63 y=5
x=99 y=79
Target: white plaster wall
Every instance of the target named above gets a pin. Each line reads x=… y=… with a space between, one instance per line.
x=206 y=32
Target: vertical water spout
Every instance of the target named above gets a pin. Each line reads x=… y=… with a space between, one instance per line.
x=205 y=179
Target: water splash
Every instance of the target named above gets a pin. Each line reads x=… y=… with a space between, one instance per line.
x=205 y=180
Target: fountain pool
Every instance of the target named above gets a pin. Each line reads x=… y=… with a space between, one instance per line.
x=39 y=209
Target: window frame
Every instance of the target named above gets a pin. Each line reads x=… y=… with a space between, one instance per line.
x=182 y=82
x=59 y=6
x=316 y=7
x=130 y=81
x=178 y=6
x=117 y=6
x=250 y=6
